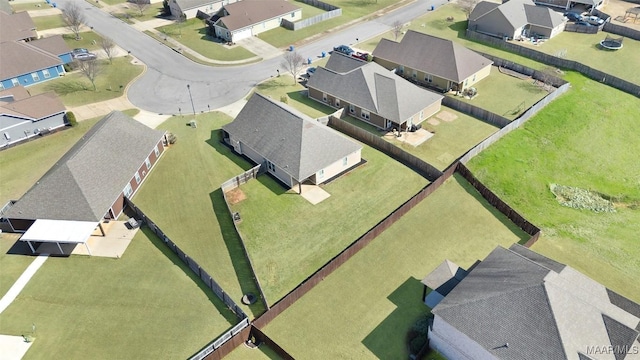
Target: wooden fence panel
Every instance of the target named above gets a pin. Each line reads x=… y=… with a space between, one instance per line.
x=262 y=337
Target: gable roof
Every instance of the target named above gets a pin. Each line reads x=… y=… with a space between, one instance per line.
x=249 y=12
x=18 y=26
x=291 y=140
x=20 y=58
x=519 y=13
x=444 y=277
x=376 y=89
x=341 y=63
x=53 y=44
x=13 y=94
x=482 y=8
x=432 y=55
x=513 y=297
x=34 y=107
x=192 y=4
x=542 y=16
x=89 y=178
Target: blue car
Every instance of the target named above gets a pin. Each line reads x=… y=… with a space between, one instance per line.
x=343 y=49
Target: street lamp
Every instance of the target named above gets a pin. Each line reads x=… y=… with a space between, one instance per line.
x=191 y=97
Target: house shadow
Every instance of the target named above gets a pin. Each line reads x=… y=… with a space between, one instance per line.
x=304 y=99
x=215 y=141
x=234 y=246
x=395 y=327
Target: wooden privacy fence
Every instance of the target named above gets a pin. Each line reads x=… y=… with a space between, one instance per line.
x=583 y=29
x=477 y=112
x=263 y=338
x=622 y=30
x=225 y=343
x=539 y=56
x=238 y=180
x=420 y=166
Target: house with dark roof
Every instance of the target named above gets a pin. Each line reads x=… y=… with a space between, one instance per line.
x=517 y=304
x=588 y=5
x=371 y=93
x=243 y=19
x=25 y=60
x=515 y=19
x=88 y=184
x=291 y=146
x=189 y=8
x=432 y=61
x=23 y=116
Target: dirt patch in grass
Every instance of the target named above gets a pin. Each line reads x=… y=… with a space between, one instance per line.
x=446 y=116
x=235 y=196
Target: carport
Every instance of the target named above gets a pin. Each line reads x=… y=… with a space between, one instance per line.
x=59 y=231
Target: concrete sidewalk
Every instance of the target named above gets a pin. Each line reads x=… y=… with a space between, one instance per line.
x=22 y=281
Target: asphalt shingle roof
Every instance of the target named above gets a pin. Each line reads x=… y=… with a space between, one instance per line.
x=53 y=44
x=376 y=89
x=18 y=26
x=432 y=55
x=35 y=107
x=248 y=12
x=342 y=64
x=192 y=4
x=291 y=140
x=86 y=181
x=19 y=58
x=519 y=13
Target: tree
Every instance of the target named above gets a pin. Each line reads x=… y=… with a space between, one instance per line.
x=166 y=10
x=293 y=63
x=467 y=6
x=547 y=76
x=90 y=69
x=73 y=17
x=109 y=47
x=141 y=5
x=396 y=29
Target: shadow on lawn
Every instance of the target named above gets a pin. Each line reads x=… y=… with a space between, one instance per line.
x=304 y=99
x=409 y=307
x=236 y=253
x=67 y=87
x=224 y=311
x=215 y=141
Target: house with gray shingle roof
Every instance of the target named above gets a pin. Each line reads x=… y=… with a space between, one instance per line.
x=23 y=116
x=17 y=27
x=371 y=93
x=243 y=19
x=517 y=304
x=432 y=61
x=89 y=183
x=515 y=19
x=291 y=146
x=189 y=8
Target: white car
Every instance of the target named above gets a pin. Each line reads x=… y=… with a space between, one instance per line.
x=594 y=20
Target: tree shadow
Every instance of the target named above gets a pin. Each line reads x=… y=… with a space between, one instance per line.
x=234 y=245
x=409 y=307
x=66 y=87
x=164 y=249
x=459 y=27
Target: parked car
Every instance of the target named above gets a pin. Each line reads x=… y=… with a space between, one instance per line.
x=573 y=16
x=85 y=57
x=594 y=20
x=360 y=55
x=583 y=23
x=79 y=51
x=311 y=71
x=343 y=49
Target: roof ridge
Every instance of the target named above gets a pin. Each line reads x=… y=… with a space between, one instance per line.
x=553 y=315
x=493 y=295
x=42 y=51
x=529 y=260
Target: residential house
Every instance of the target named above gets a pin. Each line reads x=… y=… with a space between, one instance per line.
x=371 y=93
x=293 y=147
x=17 y=27
x=247 y=18
x=89 y=183
x=588 y=5
x=23 y=116
x=189 y=8
x=517 y=304
x=432 y=61
x=515 y=19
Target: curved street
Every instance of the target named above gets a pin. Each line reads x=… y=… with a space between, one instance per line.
x=163 y=87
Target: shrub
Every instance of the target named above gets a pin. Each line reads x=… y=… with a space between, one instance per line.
x=421 y=326
x=284 y=99
x=71 y=118
x=417 y=343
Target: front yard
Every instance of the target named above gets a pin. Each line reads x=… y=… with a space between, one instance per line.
x=365 y=308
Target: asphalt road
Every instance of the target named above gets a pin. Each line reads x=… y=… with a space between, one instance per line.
x=163 y=87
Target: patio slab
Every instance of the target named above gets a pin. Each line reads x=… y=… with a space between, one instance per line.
x=113 y=245
x=312 y=193
x=13 y=347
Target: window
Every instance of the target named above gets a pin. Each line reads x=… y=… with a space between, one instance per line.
x=364 y=114
x=324 y=97
x=35 y=76
x=321 y=174
x=138 y=178
x=15 y=82
x=293 y=14
x=46 y=74
x=466 y=82
x=414 y=74
x=148 y=163
x=155 y=150
x=345 y=161
x=270 y=166
x=337 y=103
x=352 y=109
x=428 y=78
x=128 y=191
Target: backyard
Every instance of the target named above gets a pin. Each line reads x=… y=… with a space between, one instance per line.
x=583 y=139
x=48 y=22
x=191 y=211
x=12 y=265
x=296 y=96
x=146 y=304
x=365 y=308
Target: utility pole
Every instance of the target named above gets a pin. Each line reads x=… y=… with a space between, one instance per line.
x=191 y=97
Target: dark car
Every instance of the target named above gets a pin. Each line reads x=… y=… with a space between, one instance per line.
x=311 y=71
x=343 y=49
x=583 y=23
x=573 y=16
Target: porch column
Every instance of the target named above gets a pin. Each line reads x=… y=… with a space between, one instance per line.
x=300 y=187
x=101 y=229
x=59 y=247
x=88 y=250
x=31 y=247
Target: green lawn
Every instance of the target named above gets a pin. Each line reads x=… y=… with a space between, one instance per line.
x=88 y=40
x=182 y=195
x=48 y=22
x=29 y=6
x=111 y=2
x=75 y=89
x=147 y=304
x=583 y=139
x=365 y=308
x=193 y=34
x=288 y=238
x=261 y=353
x=132 y=12
x=296 y=95
x=12 y=265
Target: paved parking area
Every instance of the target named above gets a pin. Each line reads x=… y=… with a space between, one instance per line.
x=13 y=347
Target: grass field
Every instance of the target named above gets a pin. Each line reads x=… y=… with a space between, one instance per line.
x=193 y=34
x=130 y=11
x=365 y=308
x=12 y=265
x=583 y=139
x=29 y=6
x=296 y=96
x=263 y=352
x=74 y=89
x=288 y=238
x=88 y=40
x=191 y=211
x=48 y=22
x=147 y=304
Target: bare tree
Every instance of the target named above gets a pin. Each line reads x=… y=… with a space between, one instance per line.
x=90 y=69
x=396 y=29
x=109 y=47
x=141 y=5
x=293 y=63
x=73 y=17
x=467 y=6
x=546 y=76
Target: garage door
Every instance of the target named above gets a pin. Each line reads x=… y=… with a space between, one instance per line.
x=242 y=34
